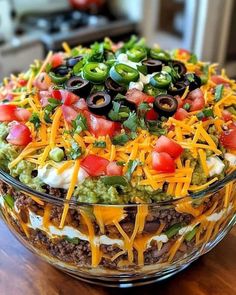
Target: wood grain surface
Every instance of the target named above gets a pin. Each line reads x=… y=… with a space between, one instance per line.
x=22 y=273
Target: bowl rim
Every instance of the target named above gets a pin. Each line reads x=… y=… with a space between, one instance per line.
x=211 y=189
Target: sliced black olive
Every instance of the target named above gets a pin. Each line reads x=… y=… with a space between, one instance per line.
x=179 y=67
x=152 y=65
x=192 y=80
x=78 y=85
x=61 y=70
x=113 y=88
x=177 y=89
x=99 y=103
x=165 y=105
x=72 y=61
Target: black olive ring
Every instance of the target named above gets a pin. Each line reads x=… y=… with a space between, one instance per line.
x=99 y=103
x=165 y=105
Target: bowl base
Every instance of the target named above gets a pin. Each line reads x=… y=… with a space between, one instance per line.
x=122 y=283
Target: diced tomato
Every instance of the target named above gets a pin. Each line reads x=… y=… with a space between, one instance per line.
x=228 y=138
x=226 y=115
x=81 y=104
x=181 y=102
x=181 y=114
x=68 y=98
x=183 y=54
x=164 y=144
x=57 y=59
x=99 y=126
x=55 y=93
x=10 y=113
x=69 y=113
x=162 y=162
x=7 y=113
x=43 y=81
x=217 y=79
x=136 y=96
x=196 y=100
x=22 y=82
x=113 y=169
x=117 y=127
x=151 y=115
x=183 y=51
x=19 y=134
x=95 y=165
x=22 y=115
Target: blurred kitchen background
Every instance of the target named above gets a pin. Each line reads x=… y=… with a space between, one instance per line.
x=29 y=28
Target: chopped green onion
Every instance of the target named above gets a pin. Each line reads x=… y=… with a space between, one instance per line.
x=79 y=124
x=9 y=200
x=173 y=230
x=186 y=106
x=190 y=235
x=120 y=163
x=74 y=241
x=75 y=151
x=57 y=154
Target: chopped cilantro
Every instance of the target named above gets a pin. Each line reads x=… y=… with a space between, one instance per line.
x=155 y=127
x=53 y=103
x=35 y=120
x=144 y=107
x=120 y=139
x=118 y=112
x=190 y=77
x=193 y=59
x=218 y=92
x=132 y=122
x=205 y=113
x=48 y=67
x=132 y=165
x=99 y=144
x=97 y=52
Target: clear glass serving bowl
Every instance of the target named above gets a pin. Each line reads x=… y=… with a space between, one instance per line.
x=119 y=245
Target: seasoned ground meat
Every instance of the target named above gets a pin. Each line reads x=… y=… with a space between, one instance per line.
x=80 y=255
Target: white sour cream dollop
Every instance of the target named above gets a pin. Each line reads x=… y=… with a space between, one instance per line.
x=50 y=176
x=231 y=158
x=215 y=165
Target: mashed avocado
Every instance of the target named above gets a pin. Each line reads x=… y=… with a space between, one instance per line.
x=23 y=171
x=7 y=152
x=198 y=176
x=95 y=191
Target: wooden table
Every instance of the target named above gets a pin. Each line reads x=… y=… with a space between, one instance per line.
x=22 y=273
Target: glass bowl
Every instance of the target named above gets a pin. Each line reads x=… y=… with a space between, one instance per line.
x=116 y=245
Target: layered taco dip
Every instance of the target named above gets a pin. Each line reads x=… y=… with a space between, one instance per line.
x=115 y=125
